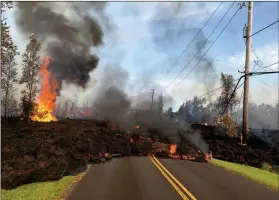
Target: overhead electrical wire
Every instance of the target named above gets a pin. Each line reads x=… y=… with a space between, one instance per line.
x=208 y=49
x=237 y=87
x=202 y=45
x=269 y=85
x=223 y=86
x=264 y=28
x=194 y=37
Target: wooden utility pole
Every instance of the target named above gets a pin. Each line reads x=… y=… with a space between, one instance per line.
x=247 y=70
x=152 y=99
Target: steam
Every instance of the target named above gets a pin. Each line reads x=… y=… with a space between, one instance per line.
x=66 y=38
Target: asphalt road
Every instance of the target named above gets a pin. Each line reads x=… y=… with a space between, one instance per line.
x=138 y=178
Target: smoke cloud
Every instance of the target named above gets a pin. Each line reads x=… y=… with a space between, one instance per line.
x=67 y=38
x=172 y=27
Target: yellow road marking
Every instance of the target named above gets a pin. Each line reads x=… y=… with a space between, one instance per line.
x=170 y=181
x=177 y=182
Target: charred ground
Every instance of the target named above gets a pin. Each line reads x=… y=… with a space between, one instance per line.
x=48 y=151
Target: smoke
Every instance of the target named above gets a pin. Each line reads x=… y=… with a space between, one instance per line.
x=173 y=27
x=67 y=38
x=263 y=116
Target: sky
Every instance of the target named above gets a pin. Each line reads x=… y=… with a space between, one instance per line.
x=147 y=37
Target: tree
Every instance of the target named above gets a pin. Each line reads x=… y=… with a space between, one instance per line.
x=6 y=40
x=194 y=111
x=226 y=126
x=25 y=105
x=160 y=104
x=8 y=65
x=181 y=112
x=30 y=73
x=169 y=113
x=228 y=85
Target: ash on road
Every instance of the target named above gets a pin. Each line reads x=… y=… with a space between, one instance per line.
x=138 y=178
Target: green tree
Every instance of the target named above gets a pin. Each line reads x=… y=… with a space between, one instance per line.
x=25 y=105
x=6 y=39
x=194 y=111
x=227 y=82
x=8 y=65
x=30 y=73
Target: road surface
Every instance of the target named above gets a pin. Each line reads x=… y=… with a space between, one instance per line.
x=144 y=178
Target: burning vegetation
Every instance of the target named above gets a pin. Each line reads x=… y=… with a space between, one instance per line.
x=45 y=103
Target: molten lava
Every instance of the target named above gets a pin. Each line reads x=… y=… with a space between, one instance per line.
x=46 y=100
x=87 y=112
x=172 y=149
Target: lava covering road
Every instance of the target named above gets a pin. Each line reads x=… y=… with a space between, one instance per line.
x=141 y=178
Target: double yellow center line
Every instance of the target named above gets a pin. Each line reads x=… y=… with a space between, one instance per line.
x=181 y=190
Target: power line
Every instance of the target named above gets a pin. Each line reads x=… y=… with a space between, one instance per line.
x=216 y=108
x=201 y=46
x=269 y=85
x=223 y=86
x=264 y=28
x=208 y=49
x=270 y=65
x=257 y=57
x=237 y=87
x=194 y=37
x=249 y=74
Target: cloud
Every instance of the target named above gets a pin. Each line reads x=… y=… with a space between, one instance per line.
x=134 y=50
x=267 y=53
x=229 y=65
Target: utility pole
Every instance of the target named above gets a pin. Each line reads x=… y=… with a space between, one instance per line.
x=152 y=99
x=247 y=71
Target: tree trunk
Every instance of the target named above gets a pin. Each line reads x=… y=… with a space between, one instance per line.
x=30 y=104
x=6 y=102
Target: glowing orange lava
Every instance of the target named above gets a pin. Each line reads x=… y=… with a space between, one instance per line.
x=46 y=100
x=87 y=112
x=172 y=149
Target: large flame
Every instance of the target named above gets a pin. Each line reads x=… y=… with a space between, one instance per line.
x=172 y=149
x=46 y=100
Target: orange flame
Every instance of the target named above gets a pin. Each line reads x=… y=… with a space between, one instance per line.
x=87 y=112
x=46 y=100
x=172 y=149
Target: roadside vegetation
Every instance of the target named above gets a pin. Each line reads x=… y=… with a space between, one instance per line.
x=51 y=190
x=262 y=176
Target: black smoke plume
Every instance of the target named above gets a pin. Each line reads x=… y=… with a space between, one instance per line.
x=67 y=39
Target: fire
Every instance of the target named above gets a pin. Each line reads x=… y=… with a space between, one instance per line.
x=172 y=149
x=46 y=100
x=87 y=112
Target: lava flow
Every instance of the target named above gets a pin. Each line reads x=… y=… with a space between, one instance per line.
x=45 y=103
x=172 y=149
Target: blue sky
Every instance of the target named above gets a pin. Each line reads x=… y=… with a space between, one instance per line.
x=145 y=42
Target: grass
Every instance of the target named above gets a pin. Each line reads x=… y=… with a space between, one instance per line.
x=52 y=190
x=261 y=176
